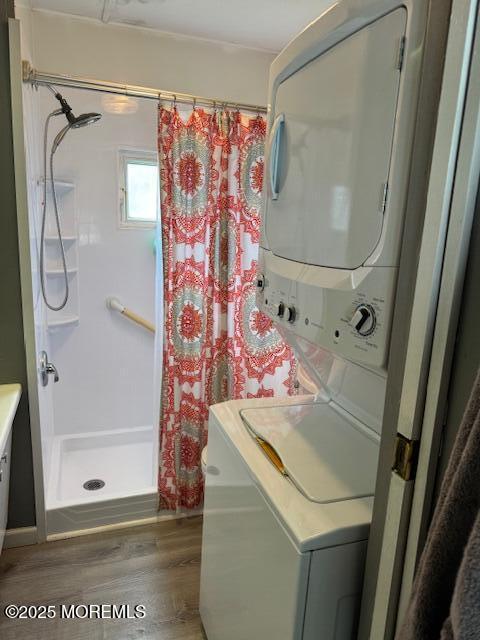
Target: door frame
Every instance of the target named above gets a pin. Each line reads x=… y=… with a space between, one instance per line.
x=25 y=259
x=462 y=209
x=423 y=346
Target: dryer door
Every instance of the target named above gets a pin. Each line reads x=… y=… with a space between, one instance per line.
x=330 y=146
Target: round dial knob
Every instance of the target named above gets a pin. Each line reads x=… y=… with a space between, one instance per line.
x=291 y=314
x=363 y=320
x=280 y=309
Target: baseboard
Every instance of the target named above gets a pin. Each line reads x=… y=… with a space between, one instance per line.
x=21 y=537
x=25 y=536
x=160 y=517
x=92 y=515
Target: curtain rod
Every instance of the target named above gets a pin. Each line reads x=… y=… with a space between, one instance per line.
x=36 y=77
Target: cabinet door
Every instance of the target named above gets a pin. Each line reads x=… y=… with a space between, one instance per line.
x=330 y=147
x=4 y=484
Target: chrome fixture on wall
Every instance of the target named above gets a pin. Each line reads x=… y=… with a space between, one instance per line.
x=47 y=368
x=74 y=122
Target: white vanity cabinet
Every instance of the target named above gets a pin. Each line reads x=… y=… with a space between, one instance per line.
x=9 y=399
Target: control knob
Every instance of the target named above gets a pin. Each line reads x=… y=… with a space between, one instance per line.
x=280 y=309
x=291 y=314
x=363 y=320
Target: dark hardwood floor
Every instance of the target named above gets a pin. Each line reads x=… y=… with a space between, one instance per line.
x=157 y=566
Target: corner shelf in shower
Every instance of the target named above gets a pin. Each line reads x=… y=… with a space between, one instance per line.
x=64 y=321
x=61 y=186
x=66 y=239
x=59 y=272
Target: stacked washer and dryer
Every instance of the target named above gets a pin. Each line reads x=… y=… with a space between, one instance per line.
x=290 y=482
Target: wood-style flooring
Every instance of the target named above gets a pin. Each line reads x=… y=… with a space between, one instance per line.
x=156 y=565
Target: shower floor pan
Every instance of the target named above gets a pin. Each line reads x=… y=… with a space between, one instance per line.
x=101 y=478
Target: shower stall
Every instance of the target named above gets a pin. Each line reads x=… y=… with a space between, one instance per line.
x=94 y=352
x=98 y=382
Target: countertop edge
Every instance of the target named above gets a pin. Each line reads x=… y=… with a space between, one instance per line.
x=9 y=399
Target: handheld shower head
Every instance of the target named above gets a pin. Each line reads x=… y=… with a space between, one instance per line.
x=81 y=121
x=59 y=137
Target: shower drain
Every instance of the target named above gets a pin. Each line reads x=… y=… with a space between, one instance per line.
x=93 y=485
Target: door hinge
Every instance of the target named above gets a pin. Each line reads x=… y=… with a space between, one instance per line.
x=405 y=457
x=383 y=197
x=401 y=53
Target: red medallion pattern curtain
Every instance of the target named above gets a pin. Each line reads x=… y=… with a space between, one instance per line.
x=217 y=344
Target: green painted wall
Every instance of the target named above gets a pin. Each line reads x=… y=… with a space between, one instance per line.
x=12 y=351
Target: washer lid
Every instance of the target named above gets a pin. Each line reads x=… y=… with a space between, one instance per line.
x=328 y=456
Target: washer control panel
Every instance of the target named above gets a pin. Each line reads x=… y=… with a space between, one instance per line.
x=349 y=316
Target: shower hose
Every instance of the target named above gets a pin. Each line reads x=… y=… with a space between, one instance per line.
x=57 y=224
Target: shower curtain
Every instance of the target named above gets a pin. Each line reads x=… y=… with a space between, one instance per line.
x=216 y=344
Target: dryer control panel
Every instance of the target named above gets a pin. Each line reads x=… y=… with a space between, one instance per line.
x=347 y=312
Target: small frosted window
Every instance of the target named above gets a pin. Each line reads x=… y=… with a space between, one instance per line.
x=139 y=188
x=142 y=182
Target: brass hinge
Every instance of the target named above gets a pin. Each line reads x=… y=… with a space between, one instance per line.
x=405 y=457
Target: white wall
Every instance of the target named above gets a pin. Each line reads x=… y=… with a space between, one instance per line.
x=134 y=55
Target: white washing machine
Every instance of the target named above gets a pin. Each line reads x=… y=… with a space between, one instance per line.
x=290 y=484
x=288 y=503
x=284 y=548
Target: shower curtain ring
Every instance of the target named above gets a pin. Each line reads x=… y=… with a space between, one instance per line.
x=174 y=102
x=194 y=103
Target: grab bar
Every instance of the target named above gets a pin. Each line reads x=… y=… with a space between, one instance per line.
x=116 y=305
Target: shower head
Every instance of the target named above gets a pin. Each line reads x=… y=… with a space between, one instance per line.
x=74 y=121
x=83 y=119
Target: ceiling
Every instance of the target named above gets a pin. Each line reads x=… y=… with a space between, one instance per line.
x=262 y=24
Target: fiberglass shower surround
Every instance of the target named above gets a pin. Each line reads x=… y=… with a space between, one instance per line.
x=97 y=422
